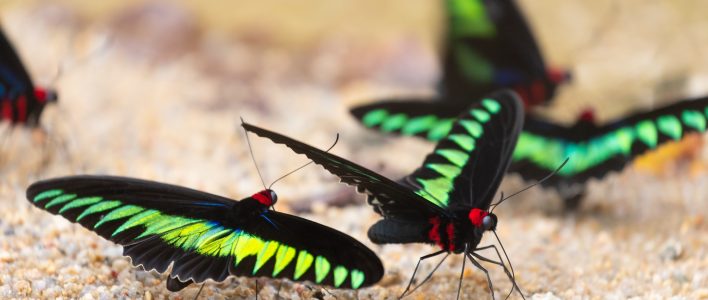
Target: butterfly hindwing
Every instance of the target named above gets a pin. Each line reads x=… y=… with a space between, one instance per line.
x=606 y=148
x=468 y=164
x=431 y=120
x=160 y=224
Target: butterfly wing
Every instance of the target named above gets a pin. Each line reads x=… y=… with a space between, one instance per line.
x=402 y=200
x=160 y=224
x=468 y=165
x=609 y=148
x=431 y=120
x=489 y=47
x=18 y=103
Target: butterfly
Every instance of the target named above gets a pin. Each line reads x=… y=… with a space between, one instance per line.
x=446 y=201
x=594 y=150
x=20 y=101
x=205 y=236
x=489 y=46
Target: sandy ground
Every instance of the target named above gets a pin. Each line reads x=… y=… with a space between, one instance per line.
x=162 y=102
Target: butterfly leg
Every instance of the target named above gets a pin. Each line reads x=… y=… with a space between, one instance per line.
x=410 y=282
x=462 y=272
x=479 y=266
x=510 y=275
x=199 y=291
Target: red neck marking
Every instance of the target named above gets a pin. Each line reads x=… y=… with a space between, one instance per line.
x=40 y=94
x=476 y=216
x=557 y=75
x=587 y=115
x=264 y=198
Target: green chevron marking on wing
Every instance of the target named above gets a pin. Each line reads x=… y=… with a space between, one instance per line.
x=374 y=117
x=449 y=161
x=469 y=18
x=322 y=267
x=340 y=274
x=194 y=235
x=440 y=129
x=419 y=124
x=394 y=122
x=543 y=152
x=694 y=119
x=304 y=262
x=670 y=125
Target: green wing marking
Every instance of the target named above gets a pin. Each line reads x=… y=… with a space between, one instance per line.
x=446 y=163
x=546 y=152
x=193 y=235
x=469 y=18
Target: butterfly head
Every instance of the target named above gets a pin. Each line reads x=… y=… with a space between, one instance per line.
x=482 y=219
x=45 y=95
x=558 y=76
x=587 y=116
x=266 y=197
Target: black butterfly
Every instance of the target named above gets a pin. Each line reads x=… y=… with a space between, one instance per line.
x=20 y=101
x=205 y=236
x=490 y=47
x=447 y=200
x=594 y=150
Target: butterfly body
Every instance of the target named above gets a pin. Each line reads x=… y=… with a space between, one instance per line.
x=446 y=201
x=20 y=101
x=205 y=236
x=447 y=233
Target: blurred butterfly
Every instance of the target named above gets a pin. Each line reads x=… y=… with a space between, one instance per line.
x=205 y=236
x=594 y=150
x=446 y=201
x=490 y=47
x=21 y=103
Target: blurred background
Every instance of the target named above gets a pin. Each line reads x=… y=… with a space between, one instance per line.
x=155 y=89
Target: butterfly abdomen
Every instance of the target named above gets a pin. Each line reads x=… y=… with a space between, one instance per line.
x=442 y=233
x=396 y=231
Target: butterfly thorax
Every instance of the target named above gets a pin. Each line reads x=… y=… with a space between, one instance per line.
x=254 y=206
x=586 y=124
x=466 y=227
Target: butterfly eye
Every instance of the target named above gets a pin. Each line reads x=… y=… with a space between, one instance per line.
x=51 y=96
x=273 y=196
x=487 y=222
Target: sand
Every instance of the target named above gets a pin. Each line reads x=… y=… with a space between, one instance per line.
x=136 y=105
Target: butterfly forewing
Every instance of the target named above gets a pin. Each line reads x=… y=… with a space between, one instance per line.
x=160 y=224
x=489 y=47
x=366 y=181
x=12 y=72
x=431 y=120
x=467 y=165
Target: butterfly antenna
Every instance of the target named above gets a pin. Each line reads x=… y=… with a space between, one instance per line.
x=494 y=205
x=253 y=157
x=336 y=139
x=98 y=50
